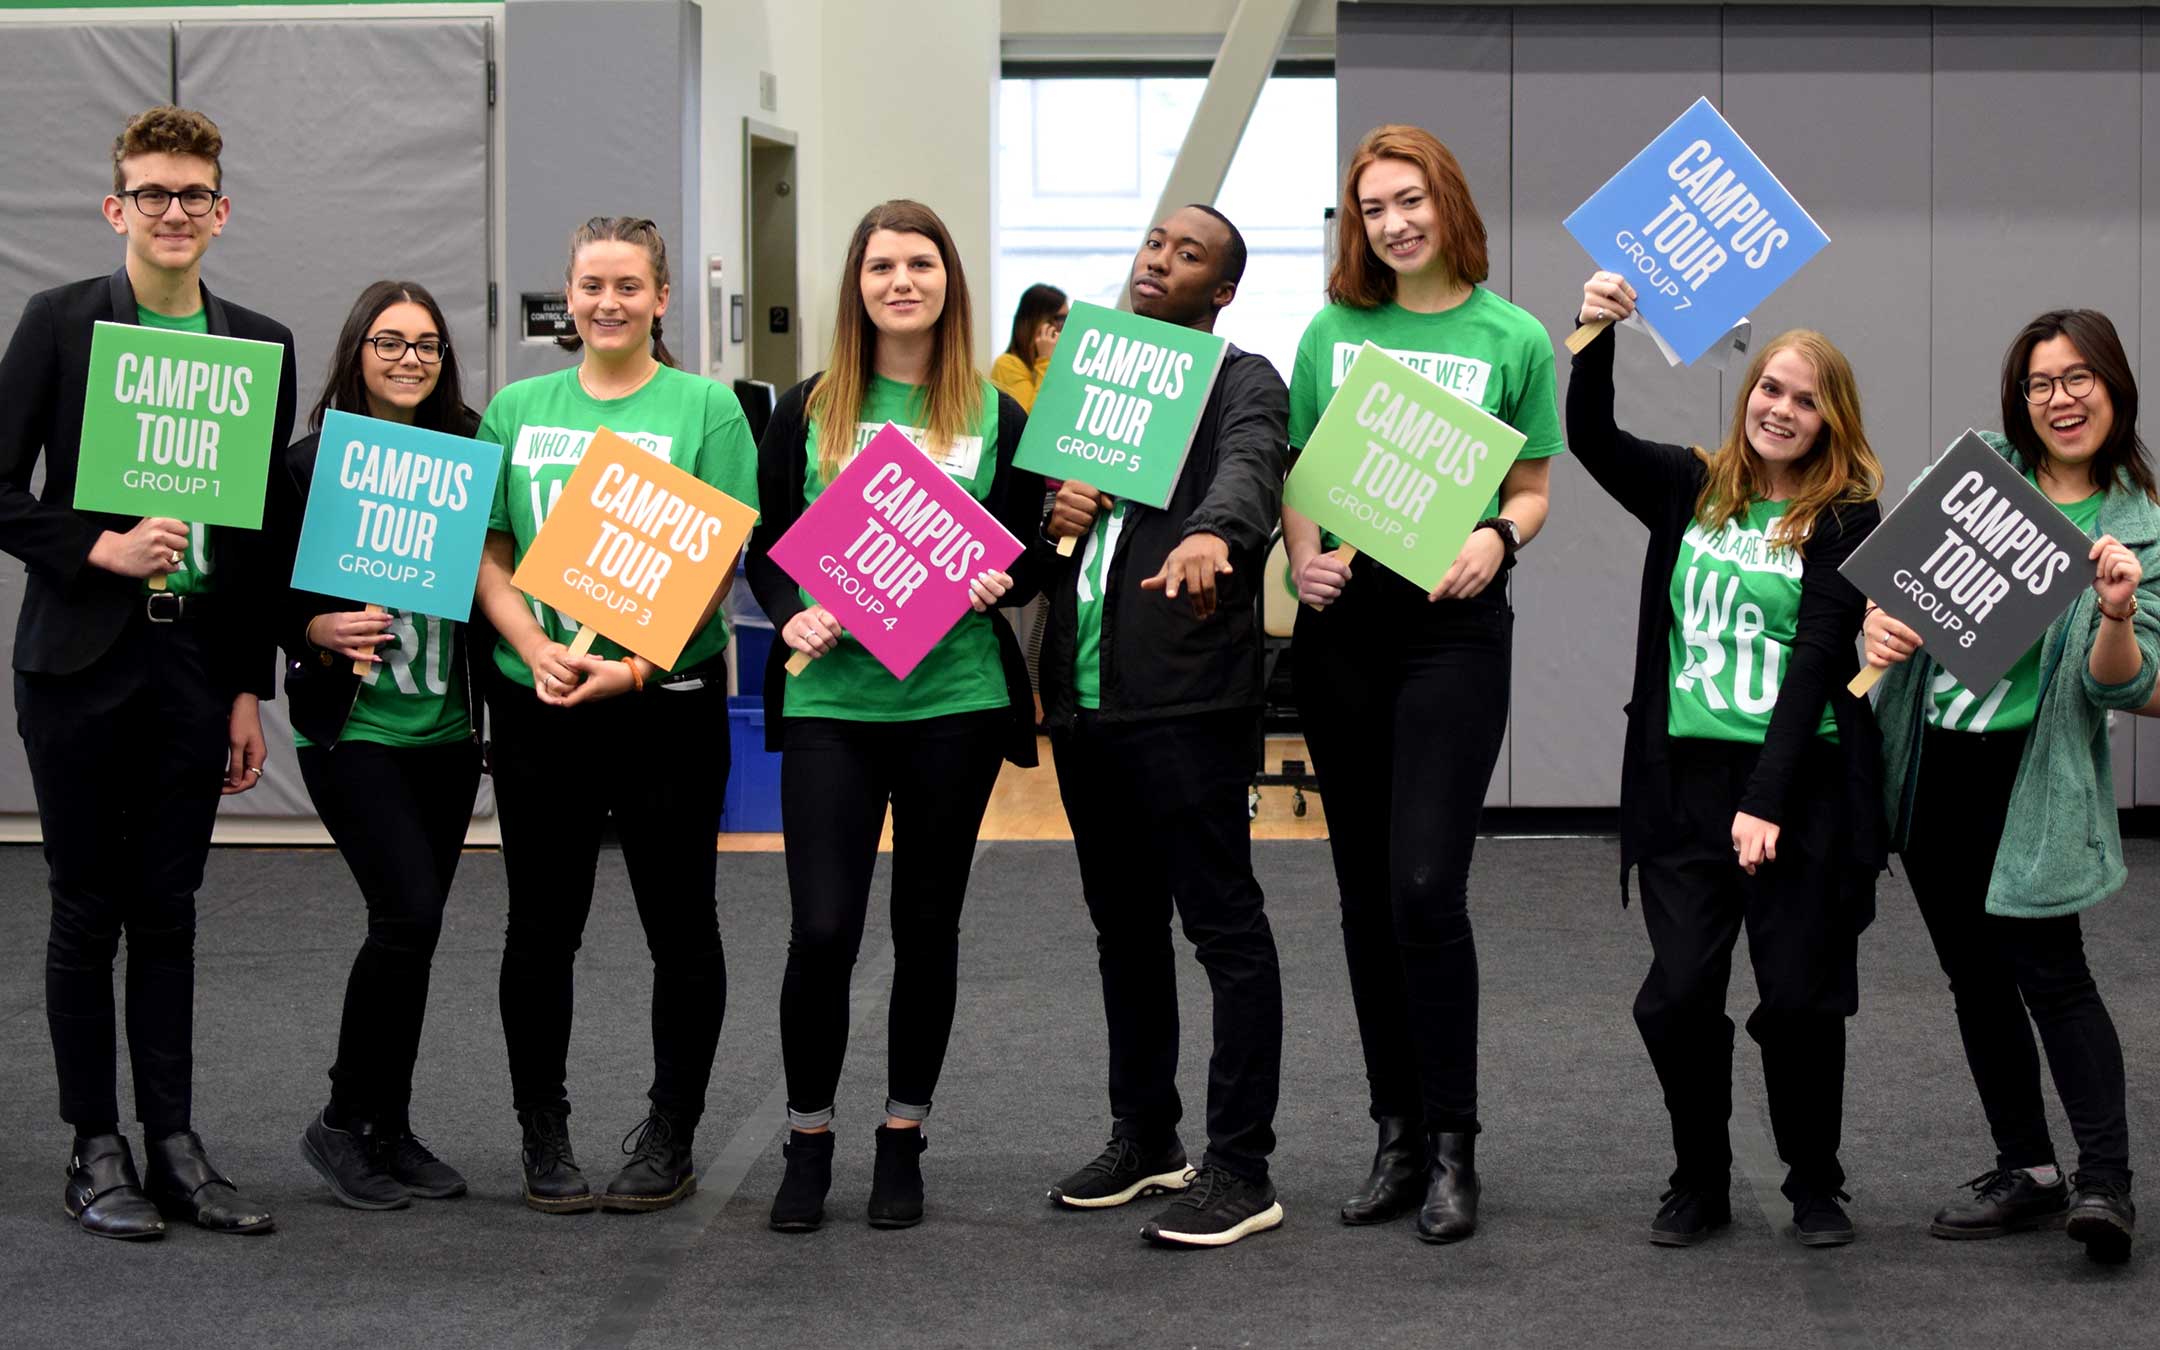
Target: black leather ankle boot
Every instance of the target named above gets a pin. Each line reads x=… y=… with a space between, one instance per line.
x=105 y=1194
x=1397 y=1182
x=1451 y=1191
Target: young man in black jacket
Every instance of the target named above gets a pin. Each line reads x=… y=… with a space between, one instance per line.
x=1152 y=687
x=136 y=707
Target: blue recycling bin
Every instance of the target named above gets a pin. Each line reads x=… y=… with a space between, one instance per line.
x=753 y=789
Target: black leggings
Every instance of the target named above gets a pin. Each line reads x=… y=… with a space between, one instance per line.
x=2008 y=975
x=1404 y=704
x=835 y=780
x=657 y=763
x=398 y=815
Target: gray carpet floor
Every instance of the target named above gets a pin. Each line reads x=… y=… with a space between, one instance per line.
x=1573 y=1157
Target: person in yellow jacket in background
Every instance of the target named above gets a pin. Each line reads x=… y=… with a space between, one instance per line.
x=1018 y=371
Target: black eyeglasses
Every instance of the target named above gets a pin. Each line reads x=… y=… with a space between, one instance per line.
x=429 y=350
x=152 y=201
x=2077 y=383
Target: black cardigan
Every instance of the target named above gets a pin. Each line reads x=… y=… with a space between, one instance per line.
x=71 y=611
x=1659 y=484
x=1015 y=498
x=1158 y=660
x=320 y=686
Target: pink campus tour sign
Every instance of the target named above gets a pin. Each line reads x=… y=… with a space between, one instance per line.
x=889 y=548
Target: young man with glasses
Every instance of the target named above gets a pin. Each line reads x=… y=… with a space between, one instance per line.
x=1151 y=684
x=137 y=706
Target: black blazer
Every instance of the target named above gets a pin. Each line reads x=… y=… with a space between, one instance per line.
x=320 y=686
x=1015 y=499
x=71 y=611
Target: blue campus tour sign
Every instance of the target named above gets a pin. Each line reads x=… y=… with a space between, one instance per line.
x=1700 y=227
x=396 y=516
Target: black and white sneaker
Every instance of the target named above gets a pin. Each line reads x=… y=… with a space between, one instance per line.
x=1217 y=1208
x=1126 y=1171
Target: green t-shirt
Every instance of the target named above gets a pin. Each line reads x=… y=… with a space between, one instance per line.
x=1094 y=575
x=2015 y=699
x=963 y=672
x=1484 y=351
x=194 y=576
x=416 y=694
x=544 y=425
x=1736 y=610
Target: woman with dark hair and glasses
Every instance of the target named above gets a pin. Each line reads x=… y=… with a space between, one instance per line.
x=1040 y=318
x=2024 y=767
x=391 y=759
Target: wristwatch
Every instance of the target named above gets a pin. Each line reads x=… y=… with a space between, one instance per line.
x=1505 y=528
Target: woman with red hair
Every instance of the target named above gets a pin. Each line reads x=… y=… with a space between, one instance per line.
x=1402 y=694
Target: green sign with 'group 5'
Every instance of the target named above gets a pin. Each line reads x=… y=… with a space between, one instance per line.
x=177 y=424
x=1401 y=468
x=1120 y=403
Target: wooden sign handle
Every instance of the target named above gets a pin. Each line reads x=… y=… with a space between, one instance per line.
x=156 y=581
x=798 y=663
x=1346 y=555
x=1867 y=679
x=582 y=644
x=361 y=668
x=1585 y=335
x=1067 y=544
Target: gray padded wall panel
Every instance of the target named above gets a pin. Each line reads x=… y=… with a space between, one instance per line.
x=327 y=198
x=1447 y=70
x=1576 y=591
x=65 y=92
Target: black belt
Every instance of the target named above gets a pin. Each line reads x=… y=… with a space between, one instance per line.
x=166 y=607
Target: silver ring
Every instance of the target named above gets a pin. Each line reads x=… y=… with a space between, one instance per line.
x=1600 y=312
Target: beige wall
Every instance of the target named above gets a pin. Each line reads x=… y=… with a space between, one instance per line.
x=1143 y=18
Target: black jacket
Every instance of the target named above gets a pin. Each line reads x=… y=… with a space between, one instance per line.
x=71 y=611
x=320 y=686
x=1015 y=498
x=1659 y=484
x=1157 y=660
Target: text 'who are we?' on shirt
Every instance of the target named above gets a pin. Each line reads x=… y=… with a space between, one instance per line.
x=1484 y=351
x=196 y=567
x=413 y=696
x=963 y=672
x=1736 y=610
x=544 y=425
x=2015 y=700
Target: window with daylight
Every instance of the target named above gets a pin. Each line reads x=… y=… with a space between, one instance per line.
x=1081 y=162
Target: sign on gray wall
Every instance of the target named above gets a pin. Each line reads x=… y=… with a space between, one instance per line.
x=1976 y=560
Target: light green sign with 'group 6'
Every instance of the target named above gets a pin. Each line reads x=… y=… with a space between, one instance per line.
x=177 y=424
x=1120 y=403
x=1401 y=468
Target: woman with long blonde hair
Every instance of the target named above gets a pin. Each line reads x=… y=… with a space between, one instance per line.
x=1749 y=784
x=852 y=738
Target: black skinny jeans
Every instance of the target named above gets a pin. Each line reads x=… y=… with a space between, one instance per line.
x=835 y=780
x=126 y=758
x=1158 y=819
x=657 y=763
x=1803 y=919
x=2008 y=975
x=398 y=815
x=1404 y=704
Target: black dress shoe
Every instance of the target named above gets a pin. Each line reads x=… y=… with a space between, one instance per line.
x=799 y=1207
x=2102 y=1217
x=2003 y=1202
x=1690 y=1217
x=1449 y=1213
x=896 y=1189
x=1397 y=1182
x=553 y=1183
x=660 y=1172
x=103 y=1193
x=183 y=1185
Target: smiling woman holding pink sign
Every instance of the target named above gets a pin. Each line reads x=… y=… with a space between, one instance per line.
x=2010 y=831
x=854 y=739
x=1403 y=695
x=1748 y=781
x=560 y=724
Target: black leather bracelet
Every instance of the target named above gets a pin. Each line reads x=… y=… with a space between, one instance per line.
x=1503 y=527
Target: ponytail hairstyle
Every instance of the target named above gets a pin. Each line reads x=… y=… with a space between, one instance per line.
x=626 y=230
x=345 y=388
x=1839 y=469
x=951 y=400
